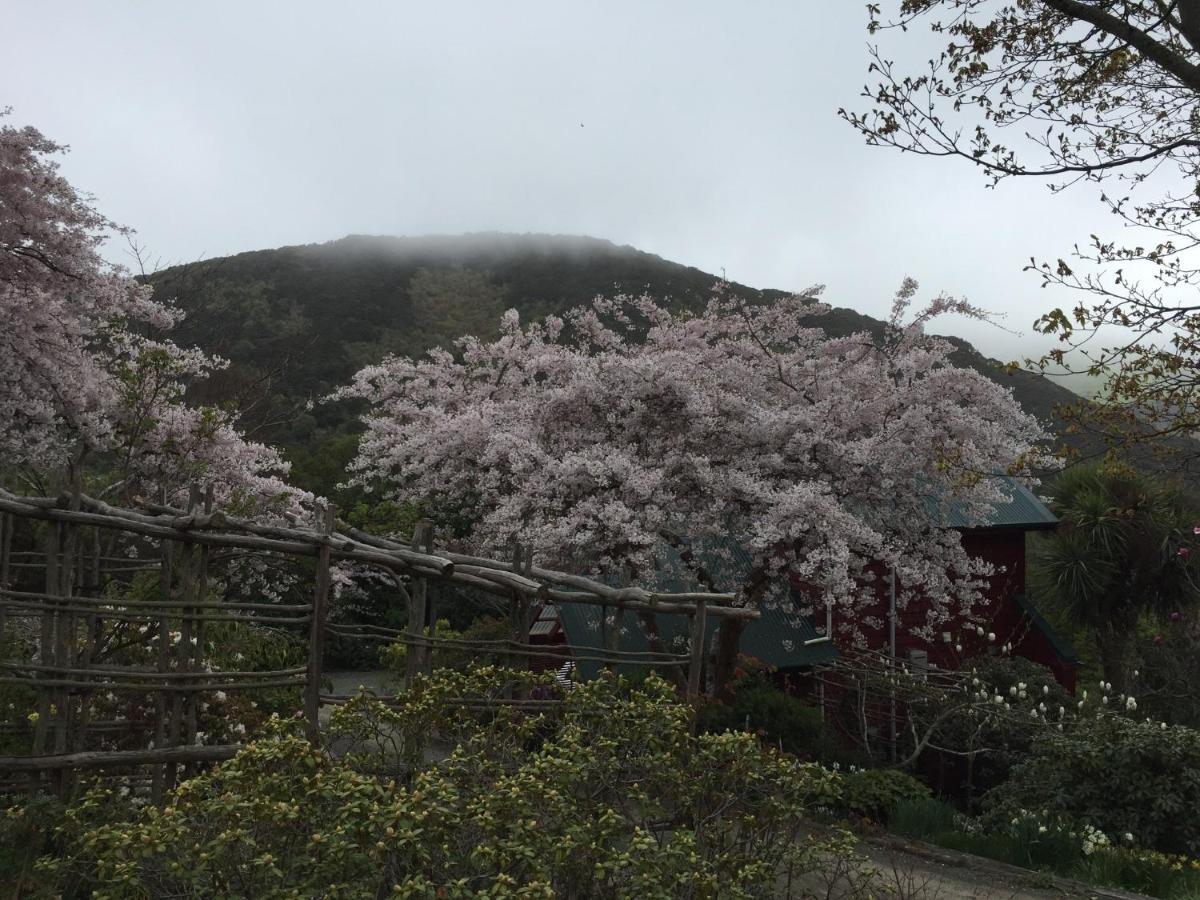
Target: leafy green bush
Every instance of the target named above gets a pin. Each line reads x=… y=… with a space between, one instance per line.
x=921 y=818
x=488 y=628
x=760 y=707
x=1117 y=775
x=872 y=792
x=1146 y=872
x=608 y=794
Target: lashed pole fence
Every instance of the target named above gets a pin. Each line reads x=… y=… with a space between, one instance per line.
x=65 y=675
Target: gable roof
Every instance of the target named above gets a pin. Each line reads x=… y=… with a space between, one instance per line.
x=1022 y=510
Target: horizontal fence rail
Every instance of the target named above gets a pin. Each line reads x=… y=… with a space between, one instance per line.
x=64 y=614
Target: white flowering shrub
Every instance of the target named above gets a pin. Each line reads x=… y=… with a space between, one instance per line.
x=1115 y=775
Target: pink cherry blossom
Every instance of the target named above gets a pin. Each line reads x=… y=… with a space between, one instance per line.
x=622 y=424
x=78 y=377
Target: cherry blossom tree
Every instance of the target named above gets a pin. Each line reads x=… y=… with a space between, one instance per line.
x=79 y=379
x=625 y=425
x=59 y=302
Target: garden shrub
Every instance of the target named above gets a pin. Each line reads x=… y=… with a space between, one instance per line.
x=608 y=794
x=1169 y=671
x=761 y=707
x=872 y=792
x=488 y=628
x=995 y=743
x=1114 y=774
x=921 y=818
x=1144 y=871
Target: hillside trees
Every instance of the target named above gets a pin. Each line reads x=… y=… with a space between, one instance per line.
x=621 y=426
x=1104 y=92
x=84 y=381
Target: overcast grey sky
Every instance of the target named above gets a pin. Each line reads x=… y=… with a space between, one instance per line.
x=705 y=132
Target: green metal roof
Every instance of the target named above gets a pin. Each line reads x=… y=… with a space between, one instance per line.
x=780 y=638
x=1021 y=510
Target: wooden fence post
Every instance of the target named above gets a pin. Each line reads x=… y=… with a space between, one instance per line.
x=158 y=778
x=611 y=628
x=182 y=652
x=696 y=663
x=519 y=609
x=316 y=634
x=197 y=656
x=419 y=657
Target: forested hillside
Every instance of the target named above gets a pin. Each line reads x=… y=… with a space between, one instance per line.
x=296 y=322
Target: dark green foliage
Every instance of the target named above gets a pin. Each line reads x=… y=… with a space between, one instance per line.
x=872 y=792
x=26 y=832
x=921 y=818
x=1140 y=872
x=1005 y=739
x=1116 y=775
x=1120 y=552
x=1169 y=660
x=759 y=706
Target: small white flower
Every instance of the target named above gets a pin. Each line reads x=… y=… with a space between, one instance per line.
x=991 y=636
x=1129 y=837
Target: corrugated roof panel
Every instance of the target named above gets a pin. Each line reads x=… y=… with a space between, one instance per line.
x=1021 y=510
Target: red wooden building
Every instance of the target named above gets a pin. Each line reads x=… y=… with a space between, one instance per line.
x=795 y=644
x=1007 y=615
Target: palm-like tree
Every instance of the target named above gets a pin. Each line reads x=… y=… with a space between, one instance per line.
x=1120 y=552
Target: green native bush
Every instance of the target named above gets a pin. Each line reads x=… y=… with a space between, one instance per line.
x=608 y=794
x=872 y=792
x=758 y=705
x=488 y=628
x=922 y=818
x=1122 y=777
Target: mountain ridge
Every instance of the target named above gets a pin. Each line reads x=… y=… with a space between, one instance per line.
x=296 y=322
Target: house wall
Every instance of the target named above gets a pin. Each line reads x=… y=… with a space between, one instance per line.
x=998 y=613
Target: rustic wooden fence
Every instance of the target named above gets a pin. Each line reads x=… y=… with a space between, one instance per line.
x=83 y=580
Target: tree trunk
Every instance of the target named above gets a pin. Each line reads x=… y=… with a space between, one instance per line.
x=654 y=644
x=729 y=636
